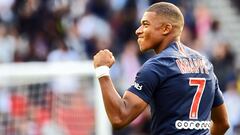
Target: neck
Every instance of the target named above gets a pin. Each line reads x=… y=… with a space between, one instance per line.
x=165 y=43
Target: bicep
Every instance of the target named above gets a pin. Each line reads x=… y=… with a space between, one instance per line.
x=220 y=123
x=134 y=105
x=219 y=114
x=137 y=97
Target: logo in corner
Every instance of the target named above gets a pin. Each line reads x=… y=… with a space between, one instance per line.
x=137 y=86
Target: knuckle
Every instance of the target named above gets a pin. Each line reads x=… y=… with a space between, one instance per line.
x=106 y=50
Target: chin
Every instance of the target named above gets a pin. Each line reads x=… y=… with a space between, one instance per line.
x=142 y=46
x=143 y=49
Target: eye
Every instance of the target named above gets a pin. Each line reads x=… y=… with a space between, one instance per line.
x=145 y=25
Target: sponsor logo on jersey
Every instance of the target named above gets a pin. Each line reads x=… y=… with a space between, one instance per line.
x=192 y=125
x=137 y=86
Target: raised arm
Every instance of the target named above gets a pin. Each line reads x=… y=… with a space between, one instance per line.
x=220 y=122
x=120 y=111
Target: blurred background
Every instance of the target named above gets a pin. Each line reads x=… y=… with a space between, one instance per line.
x=49 y=31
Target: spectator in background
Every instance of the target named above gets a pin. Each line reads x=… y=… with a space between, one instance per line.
x=7 y=46
x=203 y=20
x=75 y=41
x=6 y=14
x=40 y=21
x=100 y=8
x=21 y=45
x=223 y=61
x=62 y=53
x=232 y=100
x=77 y=8
x=14 y=47
x=213 y=38
x=236 y=4
x=95 y=31
x=39 y=48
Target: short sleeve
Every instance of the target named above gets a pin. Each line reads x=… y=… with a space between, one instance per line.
x=218 y=98
x=146 y=82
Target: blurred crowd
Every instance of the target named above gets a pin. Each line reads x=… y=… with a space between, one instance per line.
x=74 y=30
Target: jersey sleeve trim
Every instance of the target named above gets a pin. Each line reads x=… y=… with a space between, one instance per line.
x=217 y=104
x=135 y=91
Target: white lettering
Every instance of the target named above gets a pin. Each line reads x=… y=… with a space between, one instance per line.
x=189 y=65
x=197 y=125
x=137 y=86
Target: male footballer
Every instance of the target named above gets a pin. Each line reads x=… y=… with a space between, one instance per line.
x=178 y=83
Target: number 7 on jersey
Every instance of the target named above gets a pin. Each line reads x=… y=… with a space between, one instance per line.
x=200 y=83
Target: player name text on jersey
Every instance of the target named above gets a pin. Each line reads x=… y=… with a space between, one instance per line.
x=189 y=65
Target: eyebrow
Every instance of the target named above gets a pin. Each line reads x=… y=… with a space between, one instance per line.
x=144 y=22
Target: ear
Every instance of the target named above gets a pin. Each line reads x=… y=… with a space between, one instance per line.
x=166 y=28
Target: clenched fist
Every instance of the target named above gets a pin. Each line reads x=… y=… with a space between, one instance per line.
x=103 y=58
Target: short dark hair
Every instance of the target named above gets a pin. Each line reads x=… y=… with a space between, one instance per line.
x=167 y=10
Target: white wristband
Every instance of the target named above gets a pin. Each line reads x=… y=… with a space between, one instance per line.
x=102 y=71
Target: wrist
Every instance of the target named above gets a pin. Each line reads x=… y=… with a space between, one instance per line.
x=102 y=71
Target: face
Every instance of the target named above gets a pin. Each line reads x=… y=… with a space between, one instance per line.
x=149 y=32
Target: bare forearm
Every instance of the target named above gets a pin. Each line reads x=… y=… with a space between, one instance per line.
x=114 y=104
x=220 y=123
x=120 y=111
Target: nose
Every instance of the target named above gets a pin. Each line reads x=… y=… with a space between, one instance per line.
x=138 y=31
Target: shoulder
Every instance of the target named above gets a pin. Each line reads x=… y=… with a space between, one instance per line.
x=156 y=66
x=152 y=63
x=148 y=67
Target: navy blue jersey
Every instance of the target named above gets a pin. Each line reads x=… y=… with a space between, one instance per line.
x=181 y=88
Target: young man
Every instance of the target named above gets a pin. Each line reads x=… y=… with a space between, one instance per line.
x=178 y=83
